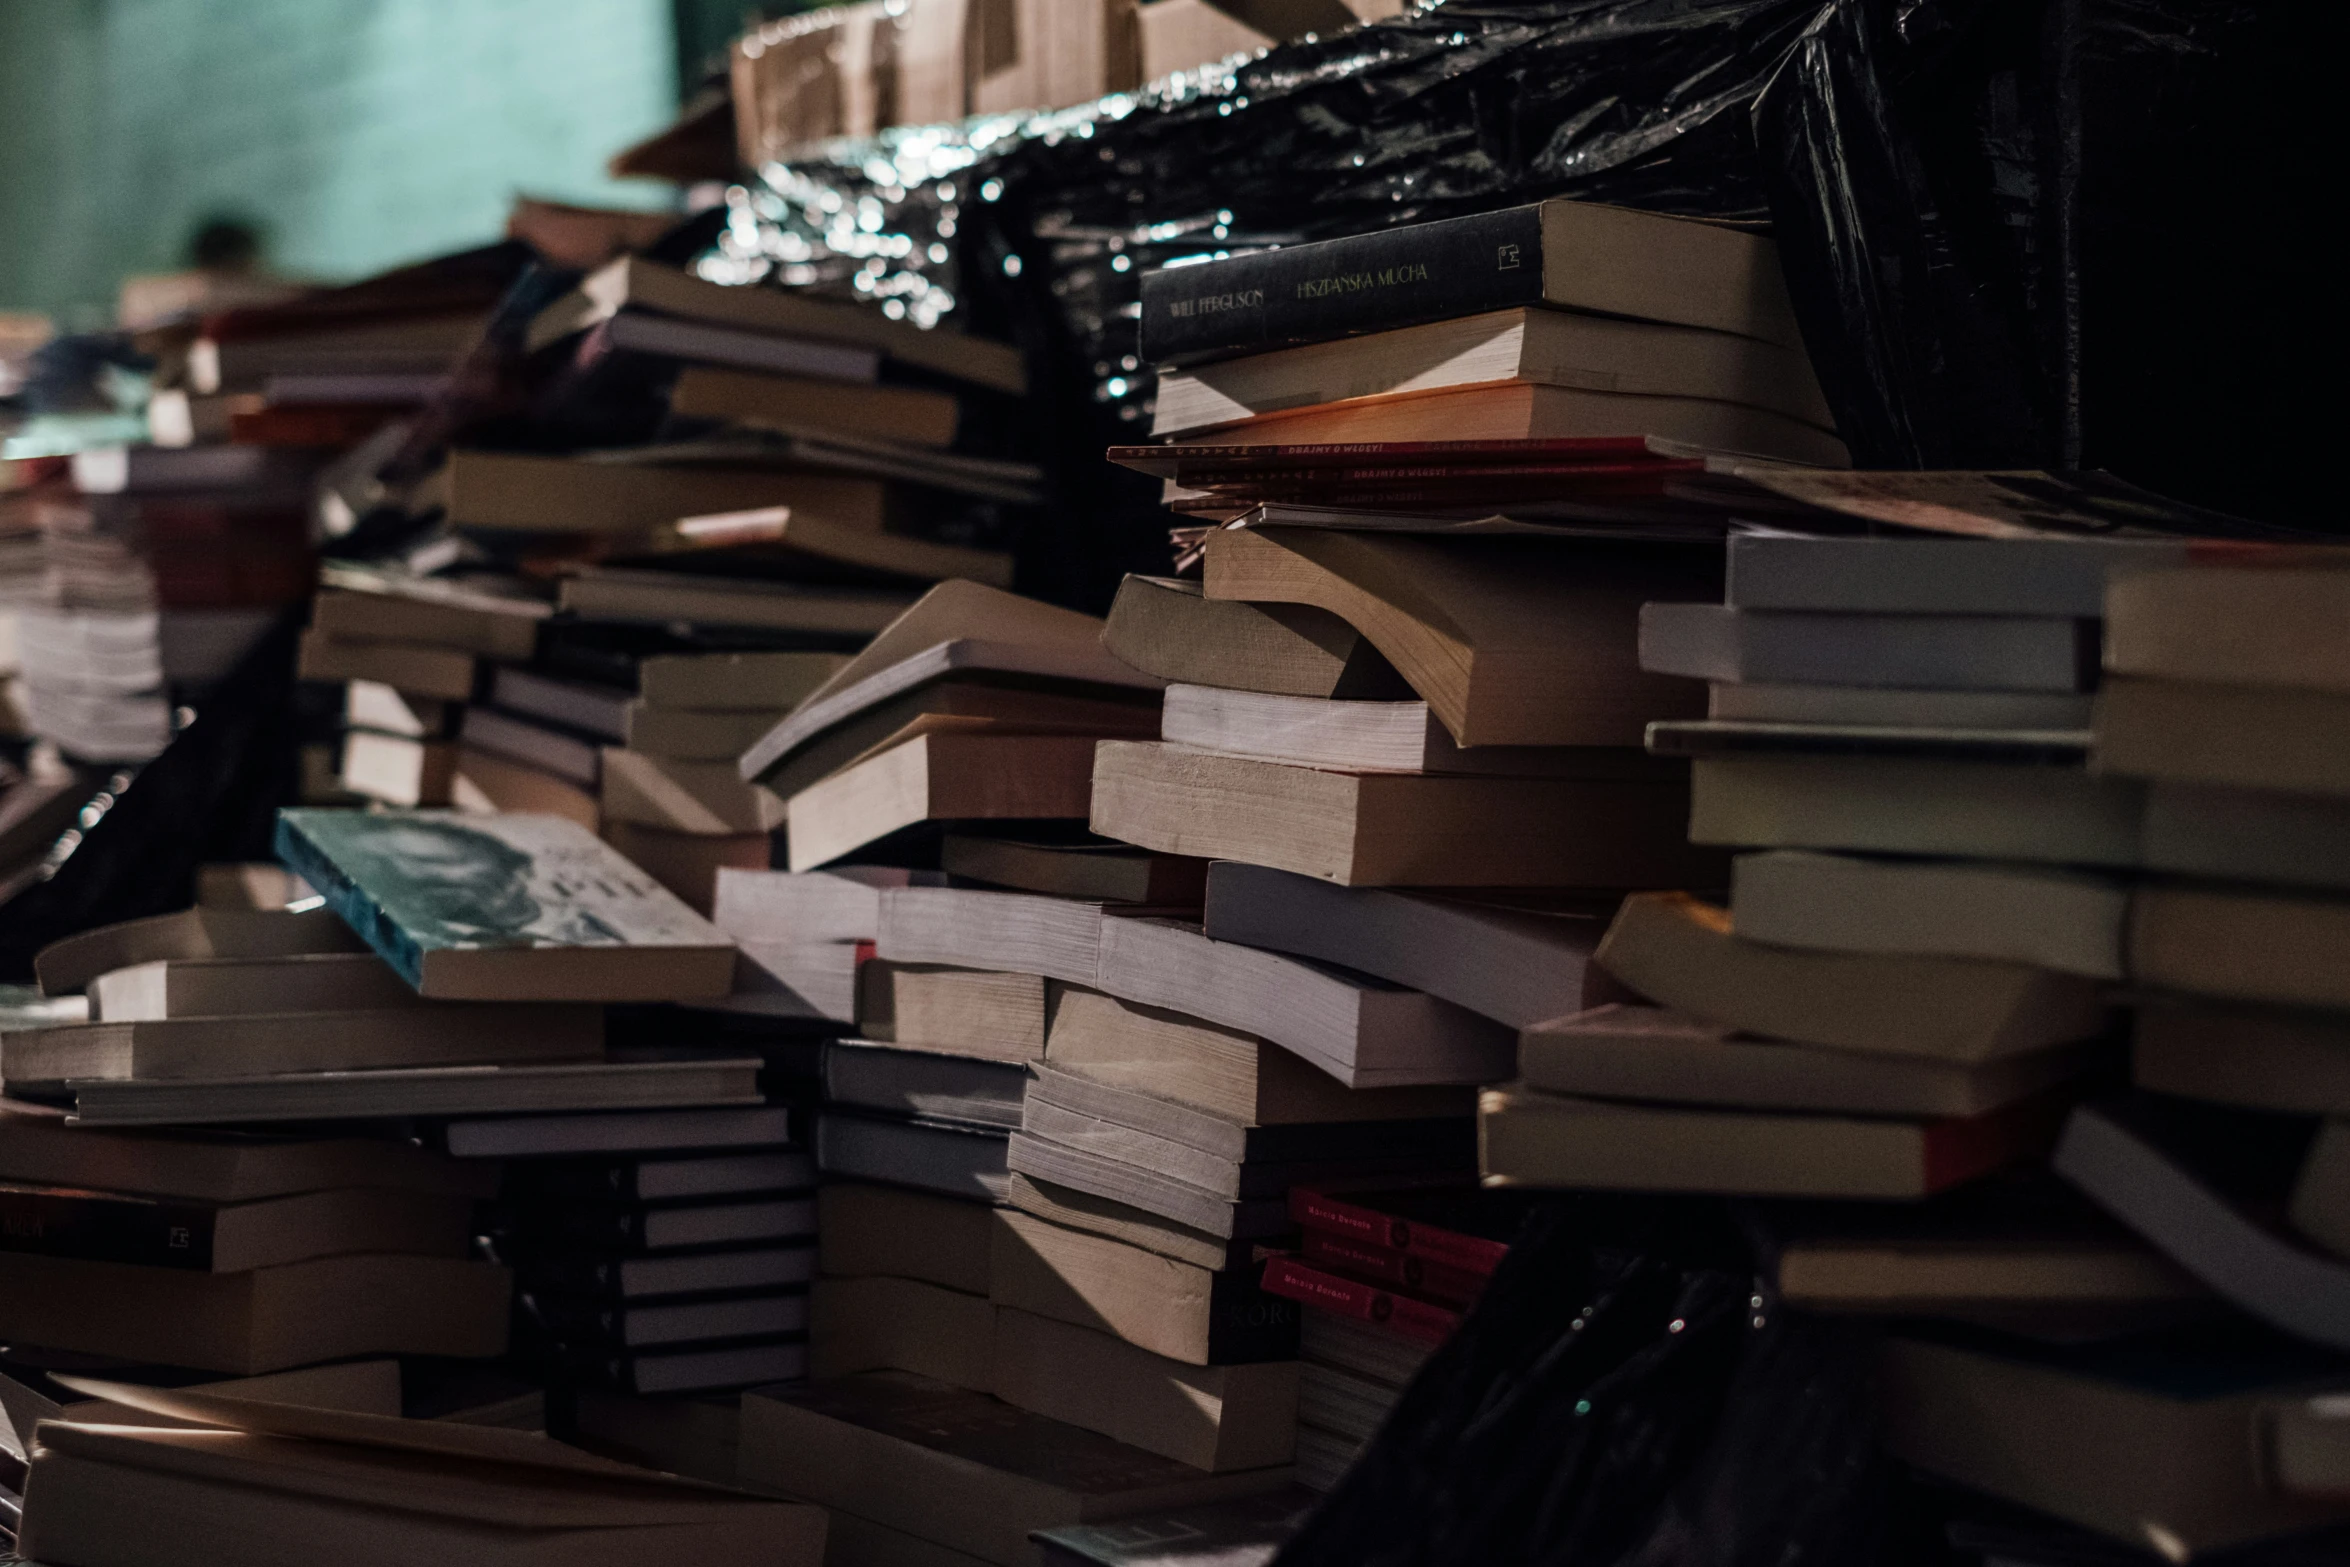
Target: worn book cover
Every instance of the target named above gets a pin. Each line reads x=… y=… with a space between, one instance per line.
x=508 y=907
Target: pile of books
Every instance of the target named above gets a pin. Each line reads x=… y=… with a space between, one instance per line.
x=1381 y=1277
x=325 y=369
x=1961 y=844
x=244 y=1472
x=825 y=1024
x=1560 y=319
x=156 y=570
x=858 y=69
x=656 y=1252
x=407 y=652
x=179 y=1195
x=239 y=1254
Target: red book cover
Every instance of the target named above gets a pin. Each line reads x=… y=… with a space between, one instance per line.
x=1965 y=1148
x=1433 y=1224
x=1164 y=461
x=1319 y=1290
x=1397 y=1269
x=1370 y=474
x=313 y=425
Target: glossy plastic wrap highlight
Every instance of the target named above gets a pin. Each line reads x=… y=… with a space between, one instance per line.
x=1039 y=229
x=1625 y=1394
x=2020 y=233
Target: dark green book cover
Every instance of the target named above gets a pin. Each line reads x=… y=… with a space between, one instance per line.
x=426 y=887
x=1339 y=287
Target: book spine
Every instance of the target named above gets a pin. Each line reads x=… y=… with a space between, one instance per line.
x=94 y=1228
x=1316 y=1210
x=1343 y=1297
x=358 y=910
x=1396 y=1269
x=1339 y=287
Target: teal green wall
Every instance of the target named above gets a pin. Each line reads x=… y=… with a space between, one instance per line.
x=360 y=133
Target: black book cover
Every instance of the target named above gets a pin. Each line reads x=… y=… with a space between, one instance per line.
x=609 y=652
x=65 y=1221
x=1245 y=1324
x=641 y=1180
x=1339 y=287
x=592 y=1276
x=629 y=1228
x=627 y=1370
x=606 y=1327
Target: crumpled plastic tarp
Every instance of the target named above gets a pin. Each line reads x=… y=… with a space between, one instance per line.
x=1998 y=217
x=211 y=797
x=1624 y=1394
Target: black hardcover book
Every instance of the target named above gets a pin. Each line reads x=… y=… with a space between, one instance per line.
x=706 y=1369
x=607 y=1327
x=64 y=1221
x=589 y=1276
x=697 y=1368
x=629 y=1228
x=1340 y=287
x=1574 y=255
x=664 y=1180
x=608 y=652
x=1245 y=1324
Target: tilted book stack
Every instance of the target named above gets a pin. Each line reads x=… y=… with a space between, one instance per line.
x=1328 y=761
x=1961 y=845
x=408 y=652
x=1562 y=319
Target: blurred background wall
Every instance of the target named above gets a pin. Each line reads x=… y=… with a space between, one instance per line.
x=353 y=134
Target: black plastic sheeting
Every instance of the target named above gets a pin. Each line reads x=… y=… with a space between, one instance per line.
x=2020 y=233
x=2063 y=233
x=212 y=796
x=1625 y=1395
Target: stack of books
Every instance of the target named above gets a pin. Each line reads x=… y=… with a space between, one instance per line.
x=656 y=1252
x=493 y=937
x=326 y=369
x=407 y=652
x=1562 y=319
x=1382 y=1277
x=1961 y=843
x=859 y=69
x=974 y=707
x=1918 y=1021
x=149 y=1474
x=160 y=569
x=959 y=746
x=819 y=429
x=736 y=488
x=235 y=1253
x=635 y=730
x=627 y=709
x=670 y=797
